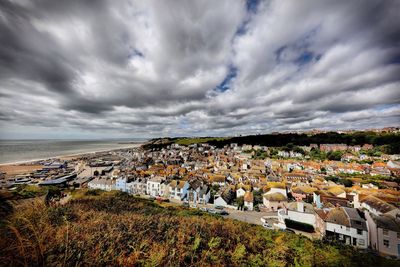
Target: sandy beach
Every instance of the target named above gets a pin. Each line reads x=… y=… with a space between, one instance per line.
x=21 y=167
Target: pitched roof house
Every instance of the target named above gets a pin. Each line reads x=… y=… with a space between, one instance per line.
x=248 y=200
x=345 y=225
x=384 y=233
x=274 y=201
x=376 y=205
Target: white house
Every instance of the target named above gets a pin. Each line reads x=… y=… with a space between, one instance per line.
x=370 y=186
x=102 y=183
x=178 y=189
x=154 y=186
x=197 y=192
x=164 y=190
x=298 y=211
x=384 y=233
x=138 y=186
x=204 y=194
x=345 y=225
x=275 y=198
x=240 y=192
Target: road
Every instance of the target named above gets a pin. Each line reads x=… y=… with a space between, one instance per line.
x=253 y=217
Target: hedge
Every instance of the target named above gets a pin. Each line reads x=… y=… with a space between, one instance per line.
x=299 y=226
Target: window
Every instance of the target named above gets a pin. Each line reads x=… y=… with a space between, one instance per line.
x=386 y=243
x=359 y=232
x=347 y=228
x=398 y=235
x=385 y=232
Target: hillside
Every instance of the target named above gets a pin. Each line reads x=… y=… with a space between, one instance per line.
x=388 y=142
x=117 y=229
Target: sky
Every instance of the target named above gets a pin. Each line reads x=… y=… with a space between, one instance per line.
x=110 y=69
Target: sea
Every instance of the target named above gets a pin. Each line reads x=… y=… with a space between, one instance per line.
x=12 y=151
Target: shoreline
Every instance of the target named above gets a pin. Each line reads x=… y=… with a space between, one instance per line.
x=30 y=161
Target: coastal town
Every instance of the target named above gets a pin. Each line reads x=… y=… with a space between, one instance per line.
x=328 y=191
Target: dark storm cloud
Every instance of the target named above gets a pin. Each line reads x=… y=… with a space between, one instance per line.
x=29 y=54
x=186 y=67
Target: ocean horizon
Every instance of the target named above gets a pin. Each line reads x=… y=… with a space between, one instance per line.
x=21 y=150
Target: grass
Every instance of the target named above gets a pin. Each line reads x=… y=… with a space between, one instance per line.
x=117 y=229
x=29 y=191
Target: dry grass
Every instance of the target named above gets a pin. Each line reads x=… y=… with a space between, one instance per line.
x=115 y=229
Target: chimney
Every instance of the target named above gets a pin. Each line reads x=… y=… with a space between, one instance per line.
x=300 y=206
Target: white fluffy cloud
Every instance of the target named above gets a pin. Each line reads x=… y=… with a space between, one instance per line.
x=166 y=68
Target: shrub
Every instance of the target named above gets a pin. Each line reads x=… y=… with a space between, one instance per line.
x=28 y=191
x=93 y=192
x=117 y=230
x=59 y=215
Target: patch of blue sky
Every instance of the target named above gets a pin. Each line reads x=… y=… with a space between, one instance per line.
x=251 y=7
x=386 y=106
x=305 y=57
x=227 y=82
x=184 y=124
x=298 y=52
x=135 y=53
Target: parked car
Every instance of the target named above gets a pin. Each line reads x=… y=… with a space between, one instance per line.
x=267 y=226
x=185 y=204
x=223 y=212
x=264 y=219
x=162 y=199
x=219 y=207
x=204 y=209
x=212 y=211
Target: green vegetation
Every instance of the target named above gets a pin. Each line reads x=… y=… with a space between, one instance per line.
x=117 y=229
x=383 y=142
x=260 y=154
x=334 y=155
x=240 y=203
x=375 y=152
x=291 y=147
x=299 y=226
x=258 y=197
x=197 y=140
x=29 y=191
x=257 y=154
x=339 y=180
x=365 y=178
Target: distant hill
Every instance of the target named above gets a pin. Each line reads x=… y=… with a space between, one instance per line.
x=100 y=229
x=391 y=141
